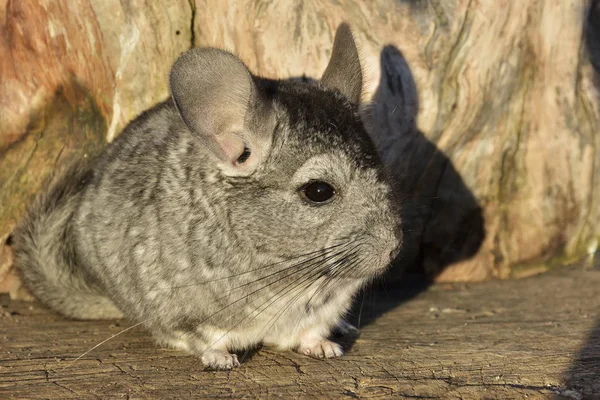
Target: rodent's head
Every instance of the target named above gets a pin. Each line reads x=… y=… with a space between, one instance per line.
x=303 y=175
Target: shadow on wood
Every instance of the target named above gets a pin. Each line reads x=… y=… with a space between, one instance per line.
x=584 y=374
x=442 y=221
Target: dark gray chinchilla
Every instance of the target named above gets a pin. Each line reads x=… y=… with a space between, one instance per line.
x=241 y=211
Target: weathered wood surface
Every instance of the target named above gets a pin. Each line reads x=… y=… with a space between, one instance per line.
x=536 y=337
x=73 y=74
x=486 y=111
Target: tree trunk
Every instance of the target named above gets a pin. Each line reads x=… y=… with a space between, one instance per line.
x=485 y=112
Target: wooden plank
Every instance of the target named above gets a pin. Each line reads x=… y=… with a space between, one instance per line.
x=535 y=337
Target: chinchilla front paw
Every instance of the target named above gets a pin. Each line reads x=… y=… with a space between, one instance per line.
x=321 y=349
x=219 y=359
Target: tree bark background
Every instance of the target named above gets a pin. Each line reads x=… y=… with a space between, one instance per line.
x=485 y=112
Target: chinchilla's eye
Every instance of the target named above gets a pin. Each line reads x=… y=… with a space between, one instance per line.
x=317 y=192
x=244 y=156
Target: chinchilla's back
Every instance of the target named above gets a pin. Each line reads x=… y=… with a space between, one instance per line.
x=45 y=255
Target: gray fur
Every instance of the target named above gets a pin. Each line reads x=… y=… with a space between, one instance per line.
x=46 y=254
x=215 y=254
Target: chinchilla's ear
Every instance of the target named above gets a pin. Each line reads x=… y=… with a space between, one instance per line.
x=343 y=72
x=217 y=99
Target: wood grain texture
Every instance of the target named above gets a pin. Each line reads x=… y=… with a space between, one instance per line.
x=485 y=112
x=73 y=74
x=531 y=338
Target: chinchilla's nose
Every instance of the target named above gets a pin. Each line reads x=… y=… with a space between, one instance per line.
x=387 y=237
x=399 y=231
x=394 y=244
x=383 y=225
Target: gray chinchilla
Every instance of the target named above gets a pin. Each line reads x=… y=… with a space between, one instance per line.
x=240 y=211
